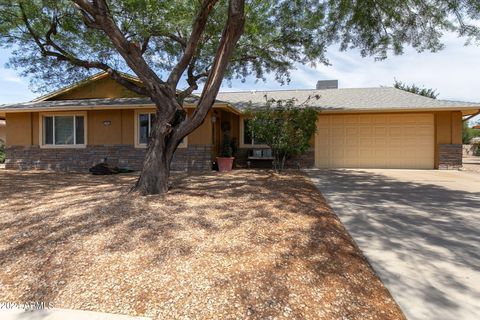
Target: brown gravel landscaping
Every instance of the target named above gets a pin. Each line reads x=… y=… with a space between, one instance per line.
x=244 y=245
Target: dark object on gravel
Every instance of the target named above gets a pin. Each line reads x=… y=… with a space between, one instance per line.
x=103 y=169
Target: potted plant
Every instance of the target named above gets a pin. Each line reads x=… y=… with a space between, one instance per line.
x=225 y=160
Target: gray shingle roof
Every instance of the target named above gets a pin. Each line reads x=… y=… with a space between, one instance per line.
x=85 y=103
x=347 y=99
x=328 y=100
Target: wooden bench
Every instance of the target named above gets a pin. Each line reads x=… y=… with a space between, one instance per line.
x=262 y=155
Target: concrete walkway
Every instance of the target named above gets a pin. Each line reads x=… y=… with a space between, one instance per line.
x=419 y=229
x=61 y=314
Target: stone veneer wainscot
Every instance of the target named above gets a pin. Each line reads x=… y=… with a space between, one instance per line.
x=192 y=158
x=450 y=156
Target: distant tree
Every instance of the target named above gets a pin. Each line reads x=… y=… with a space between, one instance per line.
x=2 y=152
x=56 y=42
x=284 y=126
x=430 y=93
x=469 y=133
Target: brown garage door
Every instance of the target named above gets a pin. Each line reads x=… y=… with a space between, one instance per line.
x=375 y=141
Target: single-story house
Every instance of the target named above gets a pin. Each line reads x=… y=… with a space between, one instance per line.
x=78 y=126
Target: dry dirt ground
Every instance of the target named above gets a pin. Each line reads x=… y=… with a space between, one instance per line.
x=245 y=245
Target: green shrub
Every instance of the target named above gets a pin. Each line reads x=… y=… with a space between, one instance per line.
x=284 y=126
x=476 y=142
x=227 y=150
x=469 y=133
x=2 y=152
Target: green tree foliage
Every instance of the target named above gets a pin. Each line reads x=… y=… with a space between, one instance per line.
x=2 y=152
x=426 y=92
x=278 y=33
x=58 y=42
x=227 y=150
x=469 y=133
x=285 y=127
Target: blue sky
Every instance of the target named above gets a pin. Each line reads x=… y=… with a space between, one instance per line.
x=454 y=72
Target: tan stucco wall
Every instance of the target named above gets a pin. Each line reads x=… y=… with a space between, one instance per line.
x=121 y=130
x=35 y=128
x=19 y=129
x=203 y=134
x=448 y=129
x=23 y=128
x=3 y=130
x=128 y=126
x=101 y=88
x=98 y=133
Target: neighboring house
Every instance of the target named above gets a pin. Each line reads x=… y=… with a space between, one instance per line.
x=2 y=131
x=76 y=127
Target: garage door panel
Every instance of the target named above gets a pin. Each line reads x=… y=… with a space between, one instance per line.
x=338 y=153
x=376 y=141
x=349 y=120
x=411 y=131
x=366 y=142
x=379 y=118
x=336 y=121
x=380 y=131
x=351 y=131
x=395 y=131
x=396 y=120
x=365 y=120
x=338 y=130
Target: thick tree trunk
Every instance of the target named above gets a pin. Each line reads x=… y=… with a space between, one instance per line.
x=156 y=166
x=155 y=173
x=170 y=126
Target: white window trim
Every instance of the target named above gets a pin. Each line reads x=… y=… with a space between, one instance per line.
x=242 y=137
x=62 y=146
x=136 y=126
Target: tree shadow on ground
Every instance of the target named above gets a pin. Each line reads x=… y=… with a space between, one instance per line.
x=246 y=244
x=422 y=238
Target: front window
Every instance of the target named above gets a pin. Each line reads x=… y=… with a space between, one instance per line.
x=64 y=130
x=145 y=124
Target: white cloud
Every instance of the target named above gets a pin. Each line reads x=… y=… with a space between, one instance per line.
x=454 y=72
x=9 y=76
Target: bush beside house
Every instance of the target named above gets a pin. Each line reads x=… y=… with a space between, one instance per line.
x=284 y=127
x=475 y=143
x=2 y=152
x=469 y=133
x=471 y=140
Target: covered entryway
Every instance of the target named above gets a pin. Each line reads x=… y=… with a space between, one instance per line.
x=375 y=141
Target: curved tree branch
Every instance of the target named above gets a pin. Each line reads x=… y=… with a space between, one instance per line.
x=233 y=30
x=191 y=48
x=130 y=51
x=62 y=55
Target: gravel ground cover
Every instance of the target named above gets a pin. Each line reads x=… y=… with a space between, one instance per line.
x=245 y=245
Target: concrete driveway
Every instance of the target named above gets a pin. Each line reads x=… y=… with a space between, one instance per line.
x=419 y=229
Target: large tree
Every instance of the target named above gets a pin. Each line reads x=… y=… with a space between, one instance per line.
x=163 y=42
x=413 y=88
